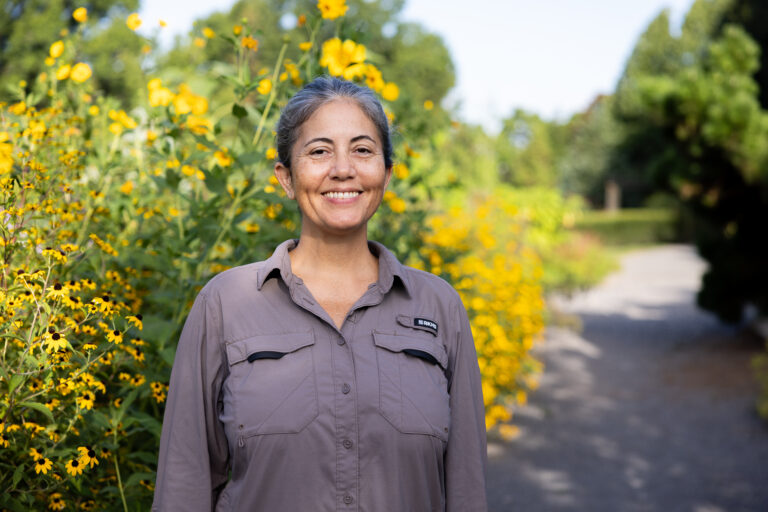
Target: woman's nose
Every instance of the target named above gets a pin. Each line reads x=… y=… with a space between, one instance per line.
x=343 y=167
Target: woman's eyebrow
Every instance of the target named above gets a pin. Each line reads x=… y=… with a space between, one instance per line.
x=319 y=139
x=360 y=137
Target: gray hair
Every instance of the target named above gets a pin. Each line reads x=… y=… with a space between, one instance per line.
x=317 y=93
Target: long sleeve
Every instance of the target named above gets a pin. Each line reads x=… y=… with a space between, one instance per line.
x=193 y=462
x=466 y=456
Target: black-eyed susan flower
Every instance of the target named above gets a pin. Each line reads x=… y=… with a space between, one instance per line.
x=133 y=21
x=56 y=502
x=74 y=467
x=58 y=291
x=115 y=336
x=35 y=454
x=43 y=465
x=54 y=341
x=87 y=456
x=85 y=399
x=136 y=321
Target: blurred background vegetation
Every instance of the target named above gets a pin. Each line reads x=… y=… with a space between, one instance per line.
x=677 y=153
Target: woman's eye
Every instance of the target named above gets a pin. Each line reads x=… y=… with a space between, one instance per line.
x=318 y=151
x=363 y=150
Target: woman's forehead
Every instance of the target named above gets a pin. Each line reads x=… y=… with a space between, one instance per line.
x=338 y=119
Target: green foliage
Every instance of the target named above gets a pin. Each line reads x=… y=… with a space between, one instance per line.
x=528 y=151
x=630 y=226
x=28 y=27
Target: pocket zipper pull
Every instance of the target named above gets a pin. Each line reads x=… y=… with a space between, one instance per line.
x=240 y=441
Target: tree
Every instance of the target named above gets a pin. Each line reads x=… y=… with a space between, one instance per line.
x=28 y=27
x=528 y=150
x=703 y=132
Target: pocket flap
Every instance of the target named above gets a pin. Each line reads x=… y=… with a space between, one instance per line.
x=238 y=351
x=406 y=344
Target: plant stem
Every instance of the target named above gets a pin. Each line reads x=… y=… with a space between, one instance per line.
x=272 y=94
x=120 y=484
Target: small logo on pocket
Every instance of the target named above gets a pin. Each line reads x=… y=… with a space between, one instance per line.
x=427 y=324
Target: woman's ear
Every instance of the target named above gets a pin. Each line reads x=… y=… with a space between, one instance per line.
x=283 y=175
x=387 y=177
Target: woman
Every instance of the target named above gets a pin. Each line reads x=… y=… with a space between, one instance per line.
x=329 y=377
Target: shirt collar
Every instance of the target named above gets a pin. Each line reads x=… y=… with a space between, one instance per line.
x=389 y=266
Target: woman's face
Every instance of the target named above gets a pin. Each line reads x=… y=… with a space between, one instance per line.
x=338 y=176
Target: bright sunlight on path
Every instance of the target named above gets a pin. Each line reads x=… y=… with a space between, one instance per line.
x=648 y=408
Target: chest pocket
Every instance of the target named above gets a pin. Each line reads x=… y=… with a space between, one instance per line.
x=413 y=389
x=272 y=379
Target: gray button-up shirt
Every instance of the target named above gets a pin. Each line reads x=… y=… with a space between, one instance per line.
x=272 y=408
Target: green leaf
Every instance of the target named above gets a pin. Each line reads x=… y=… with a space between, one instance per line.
x=14 y=383
x=238 y=111
x=135 y=478
x=38 y=407
x=18 y=474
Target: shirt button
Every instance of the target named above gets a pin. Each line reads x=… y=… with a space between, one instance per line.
x=347 y=444
x=348 y=499
x=345 y=388
x=340 y=341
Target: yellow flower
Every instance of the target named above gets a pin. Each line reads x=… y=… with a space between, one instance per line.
x=35 y=454
x=429 y=105
x=85 y=401
x=87 y=456
x=74 y=467
x=373 y=78
x=271 y=153
x=401 y=171
x=93 y=110
x=199 y=42
x=301 y=21
x=80 y=15
x=56 y=49
x=395 y=203
x=390 y=92
x=209 y=33
x=343 y=59
x=115 y=337
x=222 y=158
x=136 y=321
x=127 y=187
x=56 y=502
x=133 y=21
x=80 y=72
x=306 y=46
x=162 y=23
x=63 y=72
x=332 y=9
x=237 y=30
x=250 y=43
x=43 y=465
x=265 y=85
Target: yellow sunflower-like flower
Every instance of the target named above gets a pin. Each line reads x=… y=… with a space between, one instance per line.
x=43 y=465
x=332 y=9
x=265 y=86
x=54 y=341
x=87 y=456
x=80 y=72
x=56 y=49
x=56 y=502
x=85 y=401
x=63 y=72
x=74 y=467
x=390 y=92
x=343 y=58
x=80 y=15
x=133 y=21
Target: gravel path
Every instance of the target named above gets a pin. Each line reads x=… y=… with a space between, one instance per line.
x=648 y=408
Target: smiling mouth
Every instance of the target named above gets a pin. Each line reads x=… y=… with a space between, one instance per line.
x=341 y=195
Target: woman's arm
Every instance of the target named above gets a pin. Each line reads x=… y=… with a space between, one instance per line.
x=466 y=457
x=192 y=466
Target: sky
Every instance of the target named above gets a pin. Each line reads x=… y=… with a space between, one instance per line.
x=551 y=57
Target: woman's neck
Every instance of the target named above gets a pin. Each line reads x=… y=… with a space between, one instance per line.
x=339 y=258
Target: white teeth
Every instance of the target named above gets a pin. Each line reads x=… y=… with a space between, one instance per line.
x=342 y=195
